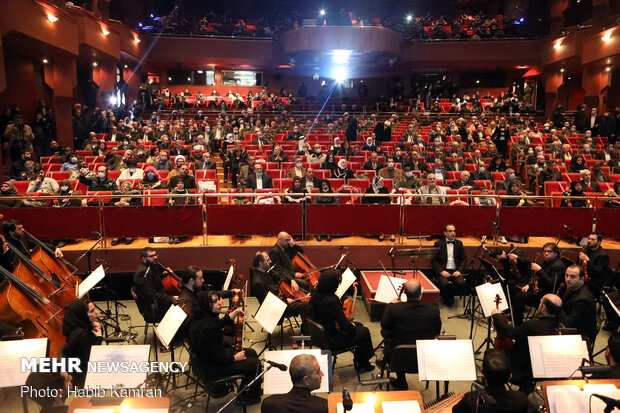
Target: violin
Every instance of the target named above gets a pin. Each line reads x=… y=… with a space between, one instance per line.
x=534 y=280
x=171 y=282
x=500 y=342
x=238 y=301
x=584 y=264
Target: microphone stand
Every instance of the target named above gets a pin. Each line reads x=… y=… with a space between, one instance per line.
x=247 y=386
x=89 y=252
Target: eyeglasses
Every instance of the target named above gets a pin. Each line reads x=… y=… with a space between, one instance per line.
x=548 y=251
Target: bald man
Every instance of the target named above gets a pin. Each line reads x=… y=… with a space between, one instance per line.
x=306 y=376
x=281 y=256
x=407 y=321
x=546 y=324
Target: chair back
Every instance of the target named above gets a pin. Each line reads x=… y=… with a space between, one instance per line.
x=404 y=359
x=317 y=334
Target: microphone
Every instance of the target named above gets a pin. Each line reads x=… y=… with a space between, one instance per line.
x=398 y=272
x=567 y=228
x=347 y=403
x=99 y=233
x=390 y=252
x=378 y=381
x=279 y=366
x=595 y=369
x=609 y=401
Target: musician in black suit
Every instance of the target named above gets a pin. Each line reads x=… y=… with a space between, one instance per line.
x=612 y=353
x=265 y=280
x=519 y=354
x=448 y=263
x=214 y=356
x=597 y=263
x=15 y=235
x=282 y=254
x=407 y=321
x=494 y=398
x=152 y=298
x=306 y=376
x=578 y=305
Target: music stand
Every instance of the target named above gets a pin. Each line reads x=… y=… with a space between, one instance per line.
x=166 y=330
x=487 y=294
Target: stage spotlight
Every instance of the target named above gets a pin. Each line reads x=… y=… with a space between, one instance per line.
x=113 y=101
x=340 y=74
x=52 y=18
x=606 y=37
x=322 y=12
x=341 y=57
x=409 y=18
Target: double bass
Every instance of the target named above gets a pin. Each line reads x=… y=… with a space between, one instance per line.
x=301 y=263
x=500 y=342
x=58 y=268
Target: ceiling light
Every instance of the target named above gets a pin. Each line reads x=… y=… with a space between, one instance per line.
x=95 y=64
x=322 y=12
x=557 y=45
x=137 y=40
x=606 y=37
x=562 y=70
x=52 y=19
x=45 y=61
x=126 y=67
x=477 y=81
x=104 y=31
x=608 y=69
x=409 y=18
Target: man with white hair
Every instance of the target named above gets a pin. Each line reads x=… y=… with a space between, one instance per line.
x=432 y=189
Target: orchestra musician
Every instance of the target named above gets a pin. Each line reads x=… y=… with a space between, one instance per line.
x=152 y=298
x=282 y=254
x=214 y=354
x=82 y=330
x=193 y=282
x=448 y=263
x=306 y=376
x=578 y=305
x=14 y=233
x=612 y=353
x=518 y=270
x=341 y=333
x=50 y=390
x=265 y=280
x=597 y=263
x=404 y=322
x=494 y=398
x=546 y=324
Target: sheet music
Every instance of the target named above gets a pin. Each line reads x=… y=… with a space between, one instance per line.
x=170 y=324
x=278 y=382
x=407 y=406
x=133 y=353
x=348 y=278
x=357 y=408
x=270 y=312
x=11 y=353
x=90 y=281
x=568 y=398
x=385 y=290
x=451 y=360
x=487 y=293
x=231 y=271
x=94 y=409
x=556 y=356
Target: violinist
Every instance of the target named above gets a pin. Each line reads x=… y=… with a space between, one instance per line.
x=264 y=281
x=341 y=333
x=213 y=352
x=282 y=254
x=519 y=354
x=14 y=233
x=152 y=299
x=193 y=282
x=596 y=262
x=404 y=322
x=578 y=304
x=517 y=267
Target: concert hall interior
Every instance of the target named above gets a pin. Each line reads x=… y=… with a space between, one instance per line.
x=389 y=204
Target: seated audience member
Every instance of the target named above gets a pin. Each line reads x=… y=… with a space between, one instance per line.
x=81 y=328
x=151 y=179
x=178 y=190
x=71 y=164
x=131 y=172
x=98 y=182
x=297 y=193
x=183 y=175
x=205 y=162
x=432 y=189
x=377 y=187
x=297 y=170
x=343 y=171
x=179 y=161
x=408 y=180
x=49 y=390
x=326 y=188
x=330 y=163
x=577 y=164
x=465 y=182
x=341 y=333
x=113 y=160
x=454 y=164
x=162 y=162
x=309 y=181
x=449 y=261
x=373 y=163
x=277 y=155
x=497 y=164
x=407 y=321
x=390 y=171
x=259 y=179
x=306 y=376
x=65 y=190
x=494 y=398
x=575 y=196
x=484 y=201
x=514 y=190
x=510 y=177
x=7 y=189
x=613 y=193
x=588 y=184
x=41 y=183
x=214 y=354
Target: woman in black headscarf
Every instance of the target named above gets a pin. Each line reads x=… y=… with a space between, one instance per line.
x=577 y=164
x=82 y=331
x=214 y=353
x=574 y=196
x=341 y=333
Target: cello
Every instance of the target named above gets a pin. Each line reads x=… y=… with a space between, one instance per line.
x=301 y=263
x=23 y=306
x=237 y=302
x=171 y=282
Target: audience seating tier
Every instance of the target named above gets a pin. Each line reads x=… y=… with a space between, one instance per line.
x=353 y=219
x=547 y=221
x=253 y=219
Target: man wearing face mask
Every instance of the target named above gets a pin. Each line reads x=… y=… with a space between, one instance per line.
x=408 y=180
x=481 y=173
x=205 y=162
x=549 y=174
x=297 y=169
x=295 y=134
x=534 y=170
x=510 y=177
x=390 y=171
x=317 y=156
x=607 y=126
x=131 y=172
x=100 y=182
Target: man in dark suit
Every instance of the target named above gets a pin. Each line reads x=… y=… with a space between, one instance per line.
x=259 y=180
x=580 y=119
x=282 y=254
x=448 y=264
x=465 y=182
x=407 y=321
x=205 y=162
x=593 y=121
x=519 y=354
x=152 y=298
x=306 y=376
x=373 y=164
x=597 y=261
x=578 y=305
x=310 y=181
x=453 y=164
x=501 y=137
